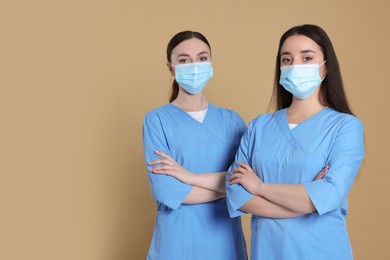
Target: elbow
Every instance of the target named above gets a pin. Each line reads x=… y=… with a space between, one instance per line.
x=329 y=205
x=309 y=208
x=247 y=209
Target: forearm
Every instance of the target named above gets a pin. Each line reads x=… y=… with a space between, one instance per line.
x=262 y=207
x=291 y=196
x=210 y=181
x=200 y=195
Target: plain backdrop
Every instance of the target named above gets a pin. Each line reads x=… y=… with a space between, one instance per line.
x=77 y=77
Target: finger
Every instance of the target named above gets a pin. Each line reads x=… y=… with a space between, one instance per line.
x=318 y=176
x=235 y=181
x=326 y=168
x=163 y=161
x=245 y=166
x=159 y=161
x=238 y=170
x=322 y=173
x=162 y=171
x=164 y=155
x=235 y=176
x=161 y=168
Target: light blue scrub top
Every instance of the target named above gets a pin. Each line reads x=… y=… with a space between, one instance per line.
x=280 y=155
x=197 y=231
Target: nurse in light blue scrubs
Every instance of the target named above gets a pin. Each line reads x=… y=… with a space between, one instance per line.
x=281 y=174
x=189 y=145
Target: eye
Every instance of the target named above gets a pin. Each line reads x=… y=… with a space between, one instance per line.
x=307 y=59
x=184 y=61
x=205 y=58
x=285 y=60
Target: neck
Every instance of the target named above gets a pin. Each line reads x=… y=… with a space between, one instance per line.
x=300 y=110
x=190 y=103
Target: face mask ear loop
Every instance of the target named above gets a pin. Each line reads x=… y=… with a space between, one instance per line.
x=172 y=68
x=325 y=73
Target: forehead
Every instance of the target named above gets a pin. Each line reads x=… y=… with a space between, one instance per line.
x=298 y=43
x=191 y=47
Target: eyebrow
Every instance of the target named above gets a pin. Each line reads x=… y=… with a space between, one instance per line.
x=303 y=51
x=203 y=52
x=199 y=54
x=183 y=55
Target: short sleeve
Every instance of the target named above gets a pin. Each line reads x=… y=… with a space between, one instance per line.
x=236 y=195
x=165 y=189
x=344 y=162
x=240 y=124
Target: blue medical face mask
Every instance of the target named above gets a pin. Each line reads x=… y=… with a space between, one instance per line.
x=193 y=76
x=301 y=80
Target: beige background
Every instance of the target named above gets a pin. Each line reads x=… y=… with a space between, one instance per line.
x=77 y=78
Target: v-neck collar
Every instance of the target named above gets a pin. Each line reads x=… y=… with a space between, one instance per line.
x=281 y=117
x=210 y=107
x=307 y=120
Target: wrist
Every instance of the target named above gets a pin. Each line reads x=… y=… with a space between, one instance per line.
x=192 y=179
x=260 y=189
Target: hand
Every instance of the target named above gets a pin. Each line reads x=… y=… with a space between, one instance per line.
x=170 y=167
x=247 y=178
x=322 y=173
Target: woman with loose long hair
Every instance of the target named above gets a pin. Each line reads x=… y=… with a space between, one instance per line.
x=295 y=167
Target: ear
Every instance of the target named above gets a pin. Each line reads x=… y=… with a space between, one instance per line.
x=171 y=69
x=326 y=65
x=325 y=70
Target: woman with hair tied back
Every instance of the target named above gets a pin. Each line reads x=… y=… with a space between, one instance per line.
x=189 y=144
x=295 y=167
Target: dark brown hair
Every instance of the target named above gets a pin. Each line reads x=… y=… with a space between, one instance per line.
x=176 y=40
x=332 y=92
